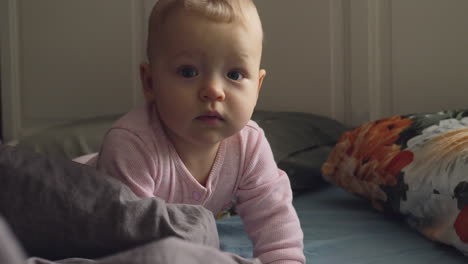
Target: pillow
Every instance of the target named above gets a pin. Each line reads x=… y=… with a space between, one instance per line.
x=300 y=143
x=70 y=140
x=412 y=165
x=58 y=209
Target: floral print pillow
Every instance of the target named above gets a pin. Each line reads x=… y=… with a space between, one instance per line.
x=413 y=165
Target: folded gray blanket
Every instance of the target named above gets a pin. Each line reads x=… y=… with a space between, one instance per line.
x=168 y=250
x=59 y=209
x=10 y=251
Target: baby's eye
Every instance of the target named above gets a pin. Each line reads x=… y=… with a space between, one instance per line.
x=235 y=75
x=187 y=71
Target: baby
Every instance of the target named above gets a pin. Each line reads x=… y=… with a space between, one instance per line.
x=193 y=142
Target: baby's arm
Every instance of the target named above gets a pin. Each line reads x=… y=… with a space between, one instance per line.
x=126 y=157
x=265 y=205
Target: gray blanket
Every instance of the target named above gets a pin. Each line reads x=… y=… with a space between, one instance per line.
x=168 y=250
x=59 y=210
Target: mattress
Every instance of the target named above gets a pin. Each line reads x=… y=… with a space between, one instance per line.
x=342 y=228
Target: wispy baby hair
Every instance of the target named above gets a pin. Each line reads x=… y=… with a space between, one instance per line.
x=225 y=11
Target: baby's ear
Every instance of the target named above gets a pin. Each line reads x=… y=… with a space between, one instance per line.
x=261 y=76
x=147 y=82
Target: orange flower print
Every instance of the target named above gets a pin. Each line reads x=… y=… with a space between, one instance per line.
x=367 y=157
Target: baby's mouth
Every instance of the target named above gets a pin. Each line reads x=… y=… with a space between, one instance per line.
x=210 y=117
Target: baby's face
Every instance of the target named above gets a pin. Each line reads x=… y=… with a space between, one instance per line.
x=205 y=77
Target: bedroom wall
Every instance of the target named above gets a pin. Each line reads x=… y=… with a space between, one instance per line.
x=349 y=60
x=405 y=57
x=71 y=60
x=1 y=108
x=296 y=56
x=430 y=55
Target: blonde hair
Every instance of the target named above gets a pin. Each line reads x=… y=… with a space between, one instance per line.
x=224 y=11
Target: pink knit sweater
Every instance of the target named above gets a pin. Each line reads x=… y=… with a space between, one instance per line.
x=137 y=152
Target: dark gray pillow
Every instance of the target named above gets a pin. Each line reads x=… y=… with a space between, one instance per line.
x=301 y=143
x=58 y=209
x=72 y=139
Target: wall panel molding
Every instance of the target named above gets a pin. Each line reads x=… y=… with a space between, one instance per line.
x=138 y=20
x=380 y=59
x=370 y=61
x=10 y=61
x=339 y=61
x=141 y=11
x=147 y=8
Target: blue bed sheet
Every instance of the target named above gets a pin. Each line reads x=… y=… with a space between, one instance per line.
x=342 y=228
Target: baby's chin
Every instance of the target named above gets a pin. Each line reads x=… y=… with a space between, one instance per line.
x=209 y=139
x=218 y=135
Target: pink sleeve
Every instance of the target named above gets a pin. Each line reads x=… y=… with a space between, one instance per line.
x=126 y=157
x=265 y=205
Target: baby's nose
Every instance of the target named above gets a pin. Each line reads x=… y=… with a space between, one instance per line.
x=212 y=91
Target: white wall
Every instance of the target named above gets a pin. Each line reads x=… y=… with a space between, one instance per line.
x=296 y=56
x=76 y=62
x=430 y=55
x=349 y=60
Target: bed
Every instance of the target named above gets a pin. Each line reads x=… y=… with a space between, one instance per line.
x=339 y=226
